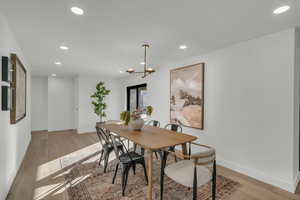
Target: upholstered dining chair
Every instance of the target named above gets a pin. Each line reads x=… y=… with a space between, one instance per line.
x=107 y=146
x=198 y=168
x=128 y=159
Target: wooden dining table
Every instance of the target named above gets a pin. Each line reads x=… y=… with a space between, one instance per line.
x=151 y=138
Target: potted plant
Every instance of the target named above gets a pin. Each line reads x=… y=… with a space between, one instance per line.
x=134 y=119
x=98 y=100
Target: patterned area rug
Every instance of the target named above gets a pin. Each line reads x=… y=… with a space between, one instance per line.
x=86 y=181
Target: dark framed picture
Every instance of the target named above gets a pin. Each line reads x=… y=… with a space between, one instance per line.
x=6 y=98
x=19 y=90
x=187 y=96
x=6 y=69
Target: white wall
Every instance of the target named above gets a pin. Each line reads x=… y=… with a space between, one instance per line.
x=249 y=105
x=67 y=102
x=297 y=113
x=60 y=104
x=86 y=116
x=76 y=102
x=39 y=98
x=14 y=138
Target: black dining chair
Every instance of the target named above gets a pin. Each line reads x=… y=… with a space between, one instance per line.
x=154 y=123
x=128 y=159
x=107 y=147
x=176 y=128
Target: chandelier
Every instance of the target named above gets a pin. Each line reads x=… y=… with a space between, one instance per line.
x=147 y=70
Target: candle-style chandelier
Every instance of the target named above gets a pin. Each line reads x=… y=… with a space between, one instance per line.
x=147 y=70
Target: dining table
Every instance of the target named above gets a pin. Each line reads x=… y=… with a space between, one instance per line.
x=151 y=139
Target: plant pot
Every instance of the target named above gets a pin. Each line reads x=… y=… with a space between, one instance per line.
x=99 y=123
x=137 y=124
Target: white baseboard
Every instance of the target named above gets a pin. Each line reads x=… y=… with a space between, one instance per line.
x=283 y=184
x=297 y=179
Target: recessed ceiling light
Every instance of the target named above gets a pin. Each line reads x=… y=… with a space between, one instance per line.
x=64 y=47
x=182 y=46
x=58 y=63
x=281 y=10
x=53 y=75
x=77 y=11
x=121 y=72
x=142 y=63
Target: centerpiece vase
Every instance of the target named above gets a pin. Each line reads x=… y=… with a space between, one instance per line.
x=137 y=124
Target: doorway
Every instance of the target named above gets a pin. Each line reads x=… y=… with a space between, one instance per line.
x=136 y=97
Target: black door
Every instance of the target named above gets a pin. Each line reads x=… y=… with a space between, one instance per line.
x=136 y=97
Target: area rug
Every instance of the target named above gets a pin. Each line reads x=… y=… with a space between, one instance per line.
x=86 y=181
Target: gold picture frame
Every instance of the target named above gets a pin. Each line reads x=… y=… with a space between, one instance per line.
x=19 y=90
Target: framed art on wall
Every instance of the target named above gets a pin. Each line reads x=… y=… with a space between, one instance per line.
x=6 y=98
x=6 y=69
x=187 y=96
x=19 y=90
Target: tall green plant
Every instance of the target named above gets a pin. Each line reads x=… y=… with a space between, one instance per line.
x=98 y=100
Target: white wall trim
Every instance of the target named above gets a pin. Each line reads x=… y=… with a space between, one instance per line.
x=297 y=179
x=12 y=180
x=283 y=184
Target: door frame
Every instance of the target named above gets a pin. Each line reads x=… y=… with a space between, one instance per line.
x=137 y=96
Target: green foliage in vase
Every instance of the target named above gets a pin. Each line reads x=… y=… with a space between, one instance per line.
x=98 y=100
x=149 y=110
x=127 y=116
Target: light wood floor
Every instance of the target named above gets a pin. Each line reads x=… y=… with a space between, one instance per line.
x=41 y=173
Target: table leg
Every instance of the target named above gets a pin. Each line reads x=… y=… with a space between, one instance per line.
x=184 y=149
x=150 y=166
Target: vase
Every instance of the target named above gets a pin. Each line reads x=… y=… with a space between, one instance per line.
x=137 y=124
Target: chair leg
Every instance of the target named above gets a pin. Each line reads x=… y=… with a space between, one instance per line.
x=195 y=184
x=106 y=157
x=133 y=168
x=156 y=155
x=134 y=147
x=115 y=174
x=214 y=188
x=162 y=172
x=122 y=149
x=145 y=171
x=101 y=157
x=173 y=150
x=124 y=178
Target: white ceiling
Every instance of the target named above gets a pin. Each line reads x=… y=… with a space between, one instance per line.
x=107 y=38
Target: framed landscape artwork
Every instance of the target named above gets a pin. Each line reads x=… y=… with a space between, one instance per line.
x=19 y=90
x=187 y=96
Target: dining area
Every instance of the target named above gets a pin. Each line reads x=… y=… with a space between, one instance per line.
x=175 y=154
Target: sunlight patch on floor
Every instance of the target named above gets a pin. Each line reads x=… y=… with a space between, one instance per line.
x=53 y=172
x=47 y=190
x=79 y=180
x=81 y=154
x=47 y=169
